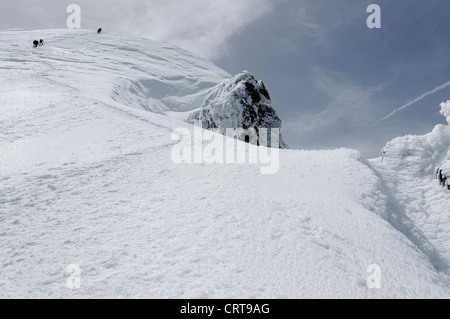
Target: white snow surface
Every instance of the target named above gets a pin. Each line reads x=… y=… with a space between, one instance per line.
x=86 y=178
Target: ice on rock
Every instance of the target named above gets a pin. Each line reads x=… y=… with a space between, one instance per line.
x=241 y=102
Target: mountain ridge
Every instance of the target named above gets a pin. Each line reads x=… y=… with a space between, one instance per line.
x=87 y=179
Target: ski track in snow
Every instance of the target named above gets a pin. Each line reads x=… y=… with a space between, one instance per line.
x=87 y=179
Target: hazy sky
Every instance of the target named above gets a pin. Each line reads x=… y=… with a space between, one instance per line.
x=331 y=79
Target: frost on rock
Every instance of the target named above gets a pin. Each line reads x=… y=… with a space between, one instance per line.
x=241 y=103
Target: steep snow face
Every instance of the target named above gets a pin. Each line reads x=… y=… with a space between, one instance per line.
x=409 y=174
x=87 y=178
x=445 y=110
x=428 y=151
x=241 y=102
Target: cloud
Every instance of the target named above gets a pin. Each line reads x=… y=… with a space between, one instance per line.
x=201 y=26
x=437 y=89
x=320 y=19
x=348 y=101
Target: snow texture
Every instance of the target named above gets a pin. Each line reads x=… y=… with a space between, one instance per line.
x=86 y=178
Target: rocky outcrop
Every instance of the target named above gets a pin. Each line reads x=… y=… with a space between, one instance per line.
x=240 y=103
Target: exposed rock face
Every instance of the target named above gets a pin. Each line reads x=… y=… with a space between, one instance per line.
x=240 y=103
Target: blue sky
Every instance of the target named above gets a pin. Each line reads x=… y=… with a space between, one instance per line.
x=330 y=77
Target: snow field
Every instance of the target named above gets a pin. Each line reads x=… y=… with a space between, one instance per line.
x=87 y=179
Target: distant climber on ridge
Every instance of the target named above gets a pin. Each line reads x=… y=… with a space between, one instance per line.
x=35 y=43
x=41 y=42
x=99 y=31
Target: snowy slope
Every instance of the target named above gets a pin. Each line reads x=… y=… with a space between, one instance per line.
x=409 y=172
x=87 y=178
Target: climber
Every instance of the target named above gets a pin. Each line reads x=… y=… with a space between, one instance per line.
x=41 y=42
x=35 y=43
x=99 y=31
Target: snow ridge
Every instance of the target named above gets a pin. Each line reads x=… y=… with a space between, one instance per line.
x=408 y=171
x=86 y=178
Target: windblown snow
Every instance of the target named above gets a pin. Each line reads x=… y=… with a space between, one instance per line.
x=87 y=179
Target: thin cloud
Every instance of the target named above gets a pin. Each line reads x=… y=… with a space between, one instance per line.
x=437 y=89
x=200 y=26
x=348 y=101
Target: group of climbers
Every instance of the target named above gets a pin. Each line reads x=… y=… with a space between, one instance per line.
x=442 y=178
x=37 y=43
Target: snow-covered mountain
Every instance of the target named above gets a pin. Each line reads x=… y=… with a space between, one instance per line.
x=87 y=178
x=409 y=173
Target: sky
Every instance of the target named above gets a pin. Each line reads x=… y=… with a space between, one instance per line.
x=333 y=81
